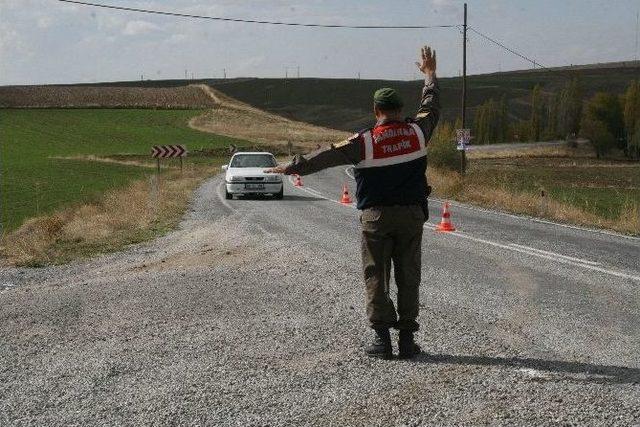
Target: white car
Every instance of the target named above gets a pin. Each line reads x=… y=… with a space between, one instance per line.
x=245 y=175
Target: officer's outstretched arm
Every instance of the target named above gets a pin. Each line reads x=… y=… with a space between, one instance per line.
x=429 y=109
x=342 y=153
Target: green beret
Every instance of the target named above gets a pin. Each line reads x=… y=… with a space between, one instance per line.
x=387 y=98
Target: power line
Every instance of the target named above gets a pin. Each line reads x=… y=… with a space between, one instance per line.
x=508 y=49
x=300 y=24
x=253 y=21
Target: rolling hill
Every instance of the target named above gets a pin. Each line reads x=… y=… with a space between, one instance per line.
x=343 y=104
x=346 y=103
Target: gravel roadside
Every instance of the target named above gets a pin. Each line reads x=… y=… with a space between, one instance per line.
x=223 y=322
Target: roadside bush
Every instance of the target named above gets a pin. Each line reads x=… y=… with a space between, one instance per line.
x=596 y=131
x=634 y=144
x=441 y=150
x=606 y=109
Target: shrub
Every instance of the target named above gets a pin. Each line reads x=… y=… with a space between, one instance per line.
x=634 y=144
x=596 y=131
x=606 y=108
x=442 y=151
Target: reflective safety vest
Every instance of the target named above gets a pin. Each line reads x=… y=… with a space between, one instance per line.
x=393 y=166
x=392 y=143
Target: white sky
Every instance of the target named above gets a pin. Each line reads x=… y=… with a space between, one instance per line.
x=46 y=41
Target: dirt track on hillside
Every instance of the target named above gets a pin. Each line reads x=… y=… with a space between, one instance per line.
x=233 y=118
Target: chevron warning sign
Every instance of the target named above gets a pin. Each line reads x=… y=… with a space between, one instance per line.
x=167 y=151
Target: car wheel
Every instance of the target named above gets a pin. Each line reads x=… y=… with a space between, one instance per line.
x=228 y=195
x=280 y=195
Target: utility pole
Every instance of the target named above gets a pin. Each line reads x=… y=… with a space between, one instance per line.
x=224 y=73
x=298 y=72
x=463 y=155
x=637 y=24
x=185 y=74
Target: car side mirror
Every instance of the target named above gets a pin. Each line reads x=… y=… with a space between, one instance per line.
x=224 y=167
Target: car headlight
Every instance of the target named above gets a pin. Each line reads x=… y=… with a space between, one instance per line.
x=236 y=178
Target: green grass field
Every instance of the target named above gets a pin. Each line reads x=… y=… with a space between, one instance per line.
x=602 y=188
x=34 y=182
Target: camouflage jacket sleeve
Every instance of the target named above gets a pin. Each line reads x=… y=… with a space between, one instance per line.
x=346 y=152
x=429 y=109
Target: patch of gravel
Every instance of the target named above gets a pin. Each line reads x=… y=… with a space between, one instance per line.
x=224 y=323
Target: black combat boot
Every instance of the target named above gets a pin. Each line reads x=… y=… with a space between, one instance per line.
x=407 y=347
x=381 y=346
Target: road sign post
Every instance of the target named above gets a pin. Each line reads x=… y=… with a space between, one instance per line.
x=154 y=197
x=463 y=156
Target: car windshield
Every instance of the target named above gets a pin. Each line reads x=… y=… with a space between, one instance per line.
x=253 y=161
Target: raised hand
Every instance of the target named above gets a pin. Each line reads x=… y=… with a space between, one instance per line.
x=428 y=64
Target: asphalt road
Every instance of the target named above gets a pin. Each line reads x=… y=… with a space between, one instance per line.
x=252 y=314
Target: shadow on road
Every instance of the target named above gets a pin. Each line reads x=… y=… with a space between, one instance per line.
x=586 y=372
x=286 y=197
x=301 y=198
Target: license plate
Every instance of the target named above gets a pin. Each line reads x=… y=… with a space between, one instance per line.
x=254 y=186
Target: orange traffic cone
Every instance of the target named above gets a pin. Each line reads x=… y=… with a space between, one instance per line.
x=297 y=181
x=346 y=199
x=445 y=224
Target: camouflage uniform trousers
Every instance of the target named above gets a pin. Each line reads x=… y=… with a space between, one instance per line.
x=392 y=234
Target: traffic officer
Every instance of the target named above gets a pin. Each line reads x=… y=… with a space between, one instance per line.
x=390 y=171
